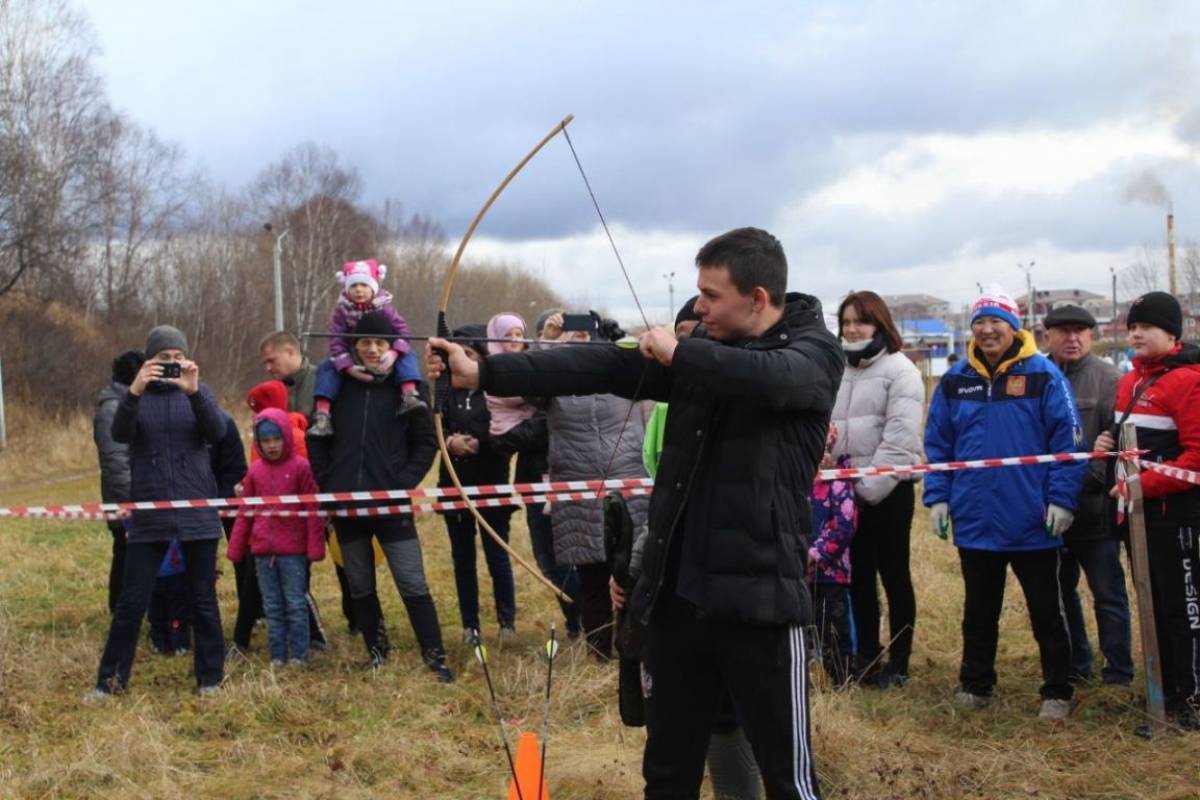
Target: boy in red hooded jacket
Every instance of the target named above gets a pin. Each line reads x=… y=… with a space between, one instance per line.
x=274 y=394
x=282 y=546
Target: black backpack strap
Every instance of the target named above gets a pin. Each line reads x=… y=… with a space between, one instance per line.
x=1133 y=402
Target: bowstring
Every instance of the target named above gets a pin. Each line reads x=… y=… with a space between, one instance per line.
x=633 y=403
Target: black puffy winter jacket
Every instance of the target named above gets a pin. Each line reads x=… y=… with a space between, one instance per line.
x=743 y=439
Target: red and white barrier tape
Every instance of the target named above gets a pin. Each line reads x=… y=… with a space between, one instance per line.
x=577 y=490
x=371 y=511
x=504 y=489
x=1178 y=473
x=981 y=463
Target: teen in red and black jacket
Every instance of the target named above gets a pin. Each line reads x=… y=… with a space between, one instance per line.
x=1161 y=396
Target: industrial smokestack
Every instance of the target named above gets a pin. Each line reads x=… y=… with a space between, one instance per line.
x=1171 y=250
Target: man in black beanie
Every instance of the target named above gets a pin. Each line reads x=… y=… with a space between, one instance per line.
x=1161 y=397
x=1158 y=309
x=374 y=448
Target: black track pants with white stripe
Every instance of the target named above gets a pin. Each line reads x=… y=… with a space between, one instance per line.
x=1174 y=559
x=688 y=664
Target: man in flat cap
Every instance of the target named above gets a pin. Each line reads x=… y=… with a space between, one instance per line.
x=1092 y=541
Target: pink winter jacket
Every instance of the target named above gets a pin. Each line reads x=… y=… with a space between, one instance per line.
x=291 y=474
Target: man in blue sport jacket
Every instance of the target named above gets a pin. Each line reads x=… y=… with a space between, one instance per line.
x=1006 y=399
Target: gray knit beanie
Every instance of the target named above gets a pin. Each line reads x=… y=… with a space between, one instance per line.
x=165 y=337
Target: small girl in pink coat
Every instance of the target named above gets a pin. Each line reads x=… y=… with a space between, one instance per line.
x=282 y=546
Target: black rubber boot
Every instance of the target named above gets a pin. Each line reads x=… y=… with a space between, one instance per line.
x=370 y=621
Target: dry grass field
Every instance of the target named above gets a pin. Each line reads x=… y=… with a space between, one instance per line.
x=338 y=730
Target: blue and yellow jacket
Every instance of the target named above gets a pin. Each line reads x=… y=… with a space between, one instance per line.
x=1026 y=407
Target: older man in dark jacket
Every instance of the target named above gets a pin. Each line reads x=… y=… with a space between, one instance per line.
x=722 y=590
x=168 y=419
x=114 y=460
x=1091 y=542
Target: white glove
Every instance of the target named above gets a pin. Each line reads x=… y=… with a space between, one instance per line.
x=939 y=517
x=1058 y=519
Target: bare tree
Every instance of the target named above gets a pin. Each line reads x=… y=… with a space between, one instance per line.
x=1144 y=275
x=142 y=196
x=208 y=281
x=311 y=195
x=50 y=104
x=1189 y=270
x=102 y=234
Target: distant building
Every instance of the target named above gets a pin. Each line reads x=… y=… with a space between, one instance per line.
x=917 y=306
x=928 y=342
x=1045 y=300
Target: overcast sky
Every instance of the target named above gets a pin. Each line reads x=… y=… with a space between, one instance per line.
x=900 y=147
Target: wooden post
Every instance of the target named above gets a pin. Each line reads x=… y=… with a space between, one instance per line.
x=3 y=425
x=1155 y=707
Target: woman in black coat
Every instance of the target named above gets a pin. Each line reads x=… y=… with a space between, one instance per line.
x=466 y=418
x=168 y=419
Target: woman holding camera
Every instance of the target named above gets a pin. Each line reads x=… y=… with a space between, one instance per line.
x=168 y=419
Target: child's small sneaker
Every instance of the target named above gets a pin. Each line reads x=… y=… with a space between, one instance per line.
x=470 y=637
x=508 y=634
x=297 y=663
x=181 y=651
x=322 y=425
x=410 y=402
x=1053 y=709
x=208 y=691
x=276 y=663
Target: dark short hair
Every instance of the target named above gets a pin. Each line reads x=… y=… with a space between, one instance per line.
x=753 y=258
x=125 y=366
x=278 y=339
x=871 y=308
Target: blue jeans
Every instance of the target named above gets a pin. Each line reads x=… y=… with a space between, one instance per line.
x=329 y=381
x=461 y=527
x=541 y=539
x=1101 y=563
x=283 y=580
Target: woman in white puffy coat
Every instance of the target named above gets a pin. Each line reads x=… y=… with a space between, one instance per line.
x=879 y=412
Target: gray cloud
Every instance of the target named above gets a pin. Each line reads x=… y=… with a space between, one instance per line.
x=1092 y=216
x=689 y=117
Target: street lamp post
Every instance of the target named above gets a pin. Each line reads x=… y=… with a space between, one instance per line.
x=1116 y=344
x=670 y=278
x=1028 y=269
x=278 y=274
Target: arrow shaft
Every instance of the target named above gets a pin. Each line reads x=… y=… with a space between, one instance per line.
x=464 y=339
